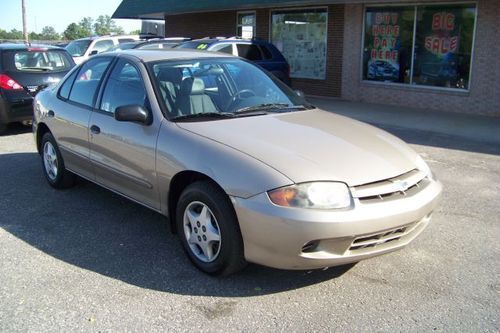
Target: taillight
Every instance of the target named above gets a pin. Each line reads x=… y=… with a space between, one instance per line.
x=8 y=83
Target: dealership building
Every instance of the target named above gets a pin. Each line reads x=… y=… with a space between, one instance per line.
x=433 y=55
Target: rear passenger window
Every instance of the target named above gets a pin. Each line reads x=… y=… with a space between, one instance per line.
x=66 y=86
x=267 y=53
x=249 y=51
x=124 y=87
x=87 y=81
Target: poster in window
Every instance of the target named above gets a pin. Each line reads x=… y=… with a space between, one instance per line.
x=387 y=47
x=301 y=37
x=444 y=45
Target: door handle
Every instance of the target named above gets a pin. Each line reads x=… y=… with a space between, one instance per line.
x=50 y=114
x=95 y=129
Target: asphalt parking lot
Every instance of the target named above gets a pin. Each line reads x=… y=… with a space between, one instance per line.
x=85 y=259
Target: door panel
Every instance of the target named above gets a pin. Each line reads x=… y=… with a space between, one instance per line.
x=123 y=156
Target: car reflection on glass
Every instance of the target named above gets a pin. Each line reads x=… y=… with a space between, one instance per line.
x=243 y=167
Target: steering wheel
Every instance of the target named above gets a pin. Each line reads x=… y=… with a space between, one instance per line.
x=242 y=94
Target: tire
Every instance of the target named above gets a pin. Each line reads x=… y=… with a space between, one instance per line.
x=209 y=230
x=53 y=164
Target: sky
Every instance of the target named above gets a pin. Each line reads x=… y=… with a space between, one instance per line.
x=58 y=14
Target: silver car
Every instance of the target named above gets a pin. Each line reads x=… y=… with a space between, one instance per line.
x=244 y=168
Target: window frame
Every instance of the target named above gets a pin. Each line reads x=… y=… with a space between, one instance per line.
x=238 y=25
x=304 y=9
x=411 y=86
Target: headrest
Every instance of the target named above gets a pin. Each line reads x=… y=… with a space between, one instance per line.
x=170 y=74
x=192 y=86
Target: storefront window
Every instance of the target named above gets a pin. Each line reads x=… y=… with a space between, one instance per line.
x=439 y=54
x=246 y=24
x=301 y=37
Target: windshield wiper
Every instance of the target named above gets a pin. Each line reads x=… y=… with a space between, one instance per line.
x=206 y=115
x=269 y=107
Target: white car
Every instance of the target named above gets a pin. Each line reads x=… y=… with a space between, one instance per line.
x=81 y=49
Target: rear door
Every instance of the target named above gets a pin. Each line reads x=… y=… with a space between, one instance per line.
x=70 y=114
x=123 y=153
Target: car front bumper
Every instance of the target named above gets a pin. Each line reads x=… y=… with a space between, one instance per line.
x=290 y=238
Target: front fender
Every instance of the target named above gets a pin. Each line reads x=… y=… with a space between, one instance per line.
x=237 y=173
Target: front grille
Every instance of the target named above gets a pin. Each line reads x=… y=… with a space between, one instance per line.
x=398 y=187
x=385 y=237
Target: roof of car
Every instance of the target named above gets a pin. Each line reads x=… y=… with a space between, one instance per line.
x=171 y=54
x=14 y=46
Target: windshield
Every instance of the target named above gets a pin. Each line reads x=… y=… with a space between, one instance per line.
x=220 y=88
x=77 y=48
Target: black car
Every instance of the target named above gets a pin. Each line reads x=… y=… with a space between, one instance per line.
x=25 y=70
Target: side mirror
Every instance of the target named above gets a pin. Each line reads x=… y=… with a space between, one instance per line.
x=94 y=52
x=133 y=113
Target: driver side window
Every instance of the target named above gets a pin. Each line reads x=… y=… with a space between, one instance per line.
x=124 y=87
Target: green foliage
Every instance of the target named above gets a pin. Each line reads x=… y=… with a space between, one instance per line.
x=104 y=25
x=13 y=34
x=49 y=33
x=74 y=31
x=135 y=32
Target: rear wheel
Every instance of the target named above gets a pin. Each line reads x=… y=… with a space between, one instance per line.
x=209 y=229
x=53 y=164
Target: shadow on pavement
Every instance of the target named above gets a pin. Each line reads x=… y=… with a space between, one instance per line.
x=96 y=230
x=16 y=129
x=442 y=140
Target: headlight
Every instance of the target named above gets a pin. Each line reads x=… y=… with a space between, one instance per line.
x=317 y=195
x=422 y=166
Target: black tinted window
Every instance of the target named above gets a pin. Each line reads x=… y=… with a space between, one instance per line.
x=124 y=87
x=88 y=80
x=37 y=61
x=249 y=51
x=66 y=86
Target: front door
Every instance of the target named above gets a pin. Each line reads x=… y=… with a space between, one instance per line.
x=123 y=153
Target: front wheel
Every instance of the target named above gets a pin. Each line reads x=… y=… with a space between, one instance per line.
x=209 y=229
x=53 y=164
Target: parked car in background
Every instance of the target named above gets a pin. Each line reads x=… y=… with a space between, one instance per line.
x=25 y=70
x=151 y=44
x=244 y=167
x=81 y=49
x=261 y=52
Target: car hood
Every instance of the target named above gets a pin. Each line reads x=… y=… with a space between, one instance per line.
x=313 y=145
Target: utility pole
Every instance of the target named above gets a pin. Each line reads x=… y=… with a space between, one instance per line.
x=25 y=23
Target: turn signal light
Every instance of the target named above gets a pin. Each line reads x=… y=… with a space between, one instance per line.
x=7 y=83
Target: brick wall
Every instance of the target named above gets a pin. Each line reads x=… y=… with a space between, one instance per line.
x=484 y=94
x=224 y=24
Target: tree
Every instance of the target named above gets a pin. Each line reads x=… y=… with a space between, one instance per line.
x=104 y=25
x=49 y=33
x=135 y=32
x=14 y=34
x=34 y=36
x=86 y=26
x=74 y=31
